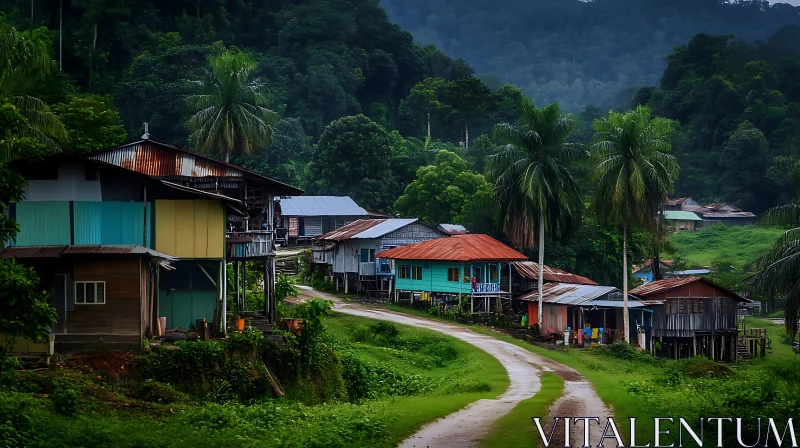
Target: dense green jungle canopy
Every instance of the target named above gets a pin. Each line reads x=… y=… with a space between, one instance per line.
x=405 y=128
x=578 y=52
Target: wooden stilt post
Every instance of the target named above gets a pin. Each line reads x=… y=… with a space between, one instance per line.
x=236 y=266
x=675 y=347
x=694 y=346
x=713 y=344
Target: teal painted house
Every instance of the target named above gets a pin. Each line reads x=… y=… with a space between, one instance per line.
x=441 y=270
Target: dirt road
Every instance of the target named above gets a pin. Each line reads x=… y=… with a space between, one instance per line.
x=465 y=428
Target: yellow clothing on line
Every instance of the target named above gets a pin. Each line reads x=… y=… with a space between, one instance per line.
x=595 y=334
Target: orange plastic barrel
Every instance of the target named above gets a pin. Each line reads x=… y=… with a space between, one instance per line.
x=240 y=324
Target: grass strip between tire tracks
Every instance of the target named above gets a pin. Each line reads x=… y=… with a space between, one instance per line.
x=517 y=429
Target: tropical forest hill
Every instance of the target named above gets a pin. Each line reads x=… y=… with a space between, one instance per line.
x=401 y=128
x=579 y=52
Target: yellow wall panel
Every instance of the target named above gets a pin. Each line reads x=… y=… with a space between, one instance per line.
x=165 y=227
x=186 y=226
x=216 y=229
x=201 y=221
x=190 y=229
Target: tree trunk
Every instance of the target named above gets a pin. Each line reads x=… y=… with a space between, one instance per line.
x=657 y=274
x=541 y=272
x=466 y=136
x=429 y=124
x=60 y=35
x=625 y=318
x=227 y=156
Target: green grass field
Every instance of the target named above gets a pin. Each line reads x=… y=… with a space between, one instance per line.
x=473 y=365
x=739 y=245
x=516 y=429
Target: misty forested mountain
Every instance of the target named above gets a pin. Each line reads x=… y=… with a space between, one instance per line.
x=579 y=52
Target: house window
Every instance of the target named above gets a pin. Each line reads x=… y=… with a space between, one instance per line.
x=364 y=255
x=416 y=273
x=553 y=317
x=372 y=255
x=404 y=272
x=493 y=274
x=477 y=273
x=453 y=274
x=90 y=293
x=698 y=307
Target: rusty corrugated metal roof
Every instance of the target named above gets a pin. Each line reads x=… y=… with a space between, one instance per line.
x=166 y=161
x=676 y=201
x=32 y=252
x=659 y=286
x=573 y=294
x=477 y=247
x=350 y=230
x=530 y=269
x=89 y=249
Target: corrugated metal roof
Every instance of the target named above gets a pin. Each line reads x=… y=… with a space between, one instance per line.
x=632 y=303
x=569 y=294
x=385 y=227
x=165 y=161
x=731 y=215
x=453 y=229
x=681 y=215
x=530 y=269
x=477 y=247
x=676 y=201
x=321 y=206
x=367 y=229
x=718 y=205
x=58 y=251
x=32 y=252
x=692 y=272
x=659 y=286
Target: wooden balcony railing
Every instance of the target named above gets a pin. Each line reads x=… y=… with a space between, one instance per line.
x=249 y=244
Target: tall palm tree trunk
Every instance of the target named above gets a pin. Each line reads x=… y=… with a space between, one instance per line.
x=625 y=317
x=541 y=272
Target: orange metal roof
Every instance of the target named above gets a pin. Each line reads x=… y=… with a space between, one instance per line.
x=476 y=247
x=659 y=286
x=675 y=201
x=529 y=269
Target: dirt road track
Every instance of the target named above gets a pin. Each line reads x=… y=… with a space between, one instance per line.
x=465 y=428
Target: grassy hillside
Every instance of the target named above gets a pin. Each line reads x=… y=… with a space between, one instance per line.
x=738 y=245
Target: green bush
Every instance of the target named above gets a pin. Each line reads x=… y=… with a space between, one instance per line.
x=154 y=392
x=386 y=331
x=443 y=351
x=15 y=424
x=65 y=401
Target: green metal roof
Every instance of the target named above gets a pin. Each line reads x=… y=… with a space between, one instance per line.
x=680 y=216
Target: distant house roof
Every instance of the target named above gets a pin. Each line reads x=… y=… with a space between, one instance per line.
x=464 y=248
x=586 y=295
x=659 y=286
x=727 y=215
x=676 y=201
x=726 y=206
x=453 y=229
x=169 y=162
x=367 y=229
x=692 y=272
x=681 y=215
x=649 y=263
x=530 y=270
x=321 y=206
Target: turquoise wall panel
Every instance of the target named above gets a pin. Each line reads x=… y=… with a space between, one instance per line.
x=43 y=223
x=112 y=223
x=182 y=308
x=434 y=276
x=88 y=222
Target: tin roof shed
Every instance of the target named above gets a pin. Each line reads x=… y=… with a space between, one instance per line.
x=321 y=206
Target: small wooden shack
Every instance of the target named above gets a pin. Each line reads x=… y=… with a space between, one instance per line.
x=692 y=316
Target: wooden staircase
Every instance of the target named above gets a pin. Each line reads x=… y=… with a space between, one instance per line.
x=741 y=350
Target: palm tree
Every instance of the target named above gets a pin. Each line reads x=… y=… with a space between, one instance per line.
x=634 y=173
x=532 y=179
x=778 y=270
x=25 y=58
x=229 y=110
